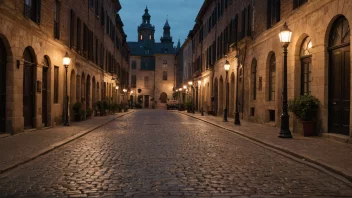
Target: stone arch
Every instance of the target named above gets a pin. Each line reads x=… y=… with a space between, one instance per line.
x=29 y=96
x=94 y=99
x=163 y=97
x=5 y=60
x=271 y=75
x=46 y=91
x=254 y=79
x=221 y=96
x=73 y=91
x=215 y=99
x=83 y=89
x=88 y=90
x=232 y=99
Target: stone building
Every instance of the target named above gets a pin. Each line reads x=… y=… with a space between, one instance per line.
x=247 y=32
x=152 y=66
x=34 y=37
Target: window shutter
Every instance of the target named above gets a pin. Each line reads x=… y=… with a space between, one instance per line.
x=250 y=18
x=277 y=10
x=72 y=28
x=38 y=9
x=269 y=15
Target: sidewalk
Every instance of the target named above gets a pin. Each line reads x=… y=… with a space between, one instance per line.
x=23 y=147
x=332 y=155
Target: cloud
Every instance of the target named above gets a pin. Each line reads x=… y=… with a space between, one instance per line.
x=181 y=15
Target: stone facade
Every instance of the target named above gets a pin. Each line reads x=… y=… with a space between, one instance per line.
x=35 y=35
x=250 y=29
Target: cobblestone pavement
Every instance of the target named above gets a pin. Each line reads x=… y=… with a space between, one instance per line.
x=158 y=153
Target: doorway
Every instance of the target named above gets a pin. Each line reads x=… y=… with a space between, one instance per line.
x=146 y=101
x=28 y=88
x=3 y=56
x=45 y=87
x=339 y=77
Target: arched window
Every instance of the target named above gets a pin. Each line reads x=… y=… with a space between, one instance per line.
x=306 y=66
x=150 y=37
x=272 y=76
x=164 y=63
x=254 y=79
x=141 y=37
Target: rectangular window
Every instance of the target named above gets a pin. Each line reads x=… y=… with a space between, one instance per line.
x=252 y=111
x=133 y=81
x=96 y=51
x=297 y=3
x=249 y=22
x=79 y=35
x=273 y=12
x=57 y=20
x=101 y=55
x=164 y=75
x=306 y=77
x=146 y=81
x=272 y=115
x=134 y=64
x=72 y=28
x=56 y=84
x=32 y=10
x=97 y=8
x=85 y=40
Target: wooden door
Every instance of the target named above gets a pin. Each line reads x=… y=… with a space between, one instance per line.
x=146 y=101
x=2 y=87
x=339 y=101
x=28 y=90
x=45 y=97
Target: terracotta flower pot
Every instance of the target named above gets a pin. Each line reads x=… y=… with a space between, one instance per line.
x=309 y=128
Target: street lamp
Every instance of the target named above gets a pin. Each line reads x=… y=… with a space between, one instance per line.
x=190 y=83
x=227 y=68
x=124 y=92
x=66 y=62
x=285 y=39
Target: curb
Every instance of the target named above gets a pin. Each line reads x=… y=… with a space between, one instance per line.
x=60 y=144
x=278 y=148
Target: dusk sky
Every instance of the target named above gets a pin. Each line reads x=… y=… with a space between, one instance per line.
x=181 y=15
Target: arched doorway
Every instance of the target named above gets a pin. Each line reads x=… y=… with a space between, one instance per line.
x=78 y=88
x=163 y=97
x=97 y=96
x=93 y=92
x=232 y=95
x=28 y=87
x=88 y=92
x=215 y=97
x=73 y=98
x=45 y=91
x=339 y=77
x=3 y=62
x=221 y=96
x=83 y=87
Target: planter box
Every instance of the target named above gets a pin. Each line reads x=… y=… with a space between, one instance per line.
x=309 y=128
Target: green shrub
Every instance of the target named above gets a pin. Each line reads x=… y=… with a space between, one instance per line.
x=76 y=107
x=305 y=107
x=89 y=112
x=83 y=114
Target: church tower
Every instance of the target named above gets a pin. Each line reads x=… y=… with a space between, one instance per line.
x=146 y=30
x=166 y=38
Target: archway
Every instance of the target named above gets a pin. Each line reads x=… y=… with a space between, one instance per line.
x=215 y=97
x=3 y=62
x=73 y=97
x=97 y=96
x=29 y=67
x=83 y=87
x=339 y=77
x=88 y=92
x=232 y=95
x=221 y=96
x=78 y=88
x=163 y=97
x=46 y=75
x=93 y=92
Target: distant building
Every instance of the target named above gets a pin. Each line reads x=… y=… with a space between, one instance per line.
x=152 y=66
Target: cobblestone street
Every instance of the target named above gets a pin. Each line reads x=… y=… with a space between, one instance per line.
x=162 y=153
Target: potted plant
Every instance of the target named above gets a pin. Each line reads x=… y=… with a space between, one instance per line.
x=181 y=107
x=189 y=107
x=305 y=108
x=76 y=107
x=100 y=108
x=89 y=113
x=125 y=108
x=83 y=114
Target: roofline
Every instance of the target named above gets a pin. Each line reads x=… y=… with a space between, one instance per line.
x=203 y=9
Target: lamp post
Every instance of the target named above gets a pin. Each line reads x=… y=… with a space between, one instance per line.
x=227 y=68
x=66 y=62
x=131 y=94
x=117 y=93
x=285 y=39
x=190 y=83
x=124 y=93
x=237 y=114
